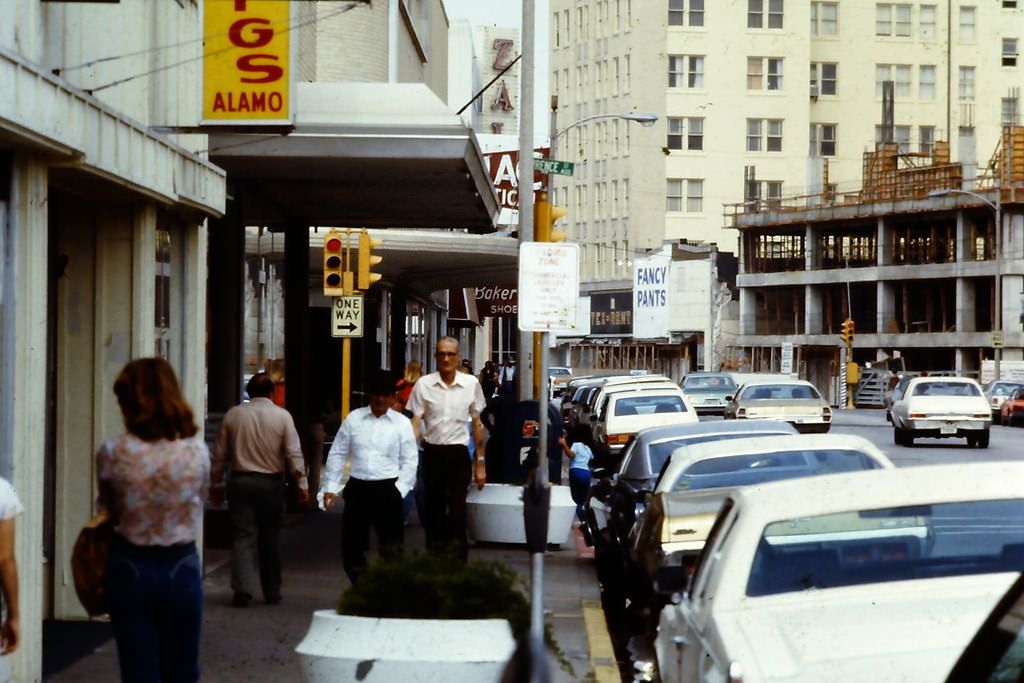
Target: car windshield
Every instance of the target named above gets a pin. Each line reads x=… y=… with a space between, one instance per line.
x=757 y=468
x=648 y=405
x=564 y=372
x=1003 y=389
x=945 y=389
x=700 y=383
x=893 y=544
x=779 y=391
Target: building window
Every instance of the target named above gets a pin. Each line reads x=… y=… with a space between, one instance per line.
x=685 y=71
x=823 y=139
x=927 y=22
x=967 y=24
x=679 y=16
x=1008 y=111
x=684 y=194
x=824 y=79
x=926 y=86
x=756 y=13
x=760 y=78
x=898 y=73
x=892 y=20
x=900 y=135
x=686 y=133
x=824 y=18
x=1009 y=52
x=926 y=139
x=965 y=83
x=764 y=135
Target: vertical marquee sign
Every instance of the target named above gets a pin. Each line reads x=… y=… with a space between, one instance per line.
x=247 y=62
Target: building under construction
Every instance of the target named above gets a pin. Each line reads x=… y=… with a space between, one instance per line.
x=926 y=261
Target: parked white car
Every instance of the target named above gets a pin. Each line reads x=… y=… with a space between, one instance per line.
x=625 y=412
x=941 y=407
x=881 y=575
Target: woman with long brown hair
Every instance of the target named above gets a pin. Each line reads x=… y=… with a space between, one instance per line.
x=153 y=480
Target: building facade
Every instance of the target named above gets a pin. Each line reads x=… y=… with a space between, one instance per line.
x=103 y=233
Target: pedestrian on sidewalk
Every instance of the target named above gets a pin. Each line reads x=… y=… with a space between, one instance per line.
x=441 y=404
x=259 y=443
x=579 y=448
x=380 y=446
x=153 y=482
x=10 y=507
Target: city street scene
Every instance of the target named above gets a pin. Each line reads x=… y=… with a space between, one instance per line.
x=541 y=340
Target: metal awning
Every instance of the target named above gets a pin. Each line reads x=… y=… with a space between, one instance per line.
x=380 y=155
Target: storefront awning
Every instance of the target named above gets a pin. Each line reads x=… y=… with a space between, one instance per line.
x=380 y=155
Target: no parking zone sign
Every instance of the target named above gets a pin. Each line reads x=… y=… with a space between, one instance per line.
x=549 y=286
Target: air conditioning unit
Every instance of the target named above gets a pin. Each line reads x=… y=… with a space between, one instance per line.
x=814 y=91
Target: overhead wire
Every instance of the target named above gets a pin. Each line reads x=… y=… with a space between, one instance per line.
x=290 y=27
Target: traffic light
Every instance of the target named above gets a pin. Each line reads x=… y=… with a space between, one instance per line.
x=847 y=331
x=334 y=274
x=367 y=260
x=544 y=217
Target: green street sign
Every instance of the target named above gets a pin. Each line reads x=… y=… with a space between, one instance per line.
x=553 y=166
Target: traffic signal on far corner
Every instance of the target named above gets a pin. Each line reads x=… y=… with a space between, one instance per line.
x=334 y=273
x=544 y=217
x=367 y=260
x=847 y=331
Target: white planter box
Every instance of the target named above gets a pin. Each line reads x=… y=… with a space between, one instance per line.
x=494 y=514
x=341 y=647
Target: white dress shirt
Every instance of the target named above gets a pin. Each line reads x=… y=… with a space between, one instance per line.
x=443 y=409
x=380 y=447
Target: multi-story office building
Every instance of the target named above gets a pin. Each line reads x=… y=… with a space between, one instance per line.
x=760 y=99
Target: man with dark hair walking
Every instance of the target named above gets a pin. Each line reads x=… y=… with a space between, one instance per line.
x=442 y=404
x=259 y=443
x=381 y=448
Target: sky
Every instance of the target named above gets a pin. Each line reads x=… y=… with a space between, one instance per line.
x=488 y=12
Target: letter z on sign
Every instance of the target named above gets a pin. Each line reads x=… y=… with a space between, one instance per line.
x=347 y=316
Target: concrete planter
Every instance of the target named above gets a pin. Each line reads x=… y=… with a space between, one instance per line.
x=341 y=647
x=494 y=514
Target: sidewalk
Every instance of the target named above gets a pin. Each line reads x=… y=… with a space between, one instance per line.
x=257 y=643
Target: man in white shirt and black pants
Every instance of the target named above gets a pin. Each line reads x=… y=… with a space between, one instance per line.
x=382 y=446
x=446 y=407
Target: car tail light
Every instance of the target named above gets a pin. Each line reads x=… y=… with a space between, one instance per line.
x=982 y=414
x=918 y=416
x=742 y=412
x=617 y=438
x=826 y=414
x=735 y=672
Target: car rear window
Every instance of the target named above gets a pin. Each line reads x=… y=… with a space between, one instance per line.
x=945 y=389
x=892 y=544
x=712 y=383
x=647 y=405
x=780 y=391
x=757 y=468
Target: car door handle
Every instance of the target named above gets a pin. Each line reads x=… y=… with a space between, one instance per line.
x=680 y=641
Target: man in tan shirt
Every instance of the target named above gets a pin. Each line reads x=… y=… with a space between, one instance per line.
x=259 y=441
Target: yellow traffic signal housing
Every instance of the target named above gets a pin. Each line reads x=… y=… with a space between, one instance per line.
x=334 y=268
x=847 y=331
x=367 y=260
x=544 y=217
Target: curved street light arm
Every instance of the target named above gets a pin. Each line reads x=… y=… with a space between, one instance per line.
x=644 y=119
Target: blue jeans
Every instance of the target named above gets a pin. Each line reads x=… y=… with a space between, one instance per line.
x=579 y=489
x=155 y=595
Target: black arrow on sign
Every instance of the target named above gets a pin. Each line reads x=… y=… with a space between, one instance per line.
x=349 y=327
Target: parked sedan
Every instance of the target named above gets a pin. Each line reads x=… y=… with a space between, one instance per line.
x=942 y=407
x=671 y=533
x=997 y=391
x=793 y=400
x=1011 y=411
x=709 y=391
x=625 y=412
x=865 y=576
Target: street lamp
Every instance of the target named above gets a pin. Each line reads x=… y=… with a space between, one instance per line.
x=997 y=207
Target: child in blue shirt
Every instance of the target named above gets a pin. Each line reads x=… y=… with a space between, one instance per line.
x=579 y=449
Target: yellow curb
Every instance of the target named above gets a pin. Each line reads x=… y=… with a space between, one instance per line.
x=602 y=654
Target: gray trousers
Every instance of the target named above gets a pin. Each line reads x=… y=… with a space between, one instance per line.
x=256 y=503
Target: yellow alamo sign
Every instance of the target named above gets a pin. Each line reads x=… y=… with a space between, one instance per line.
x=246 y=61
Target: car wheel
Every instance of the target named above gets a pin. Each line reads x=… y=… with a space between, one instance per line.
x=972 y=441
x=611 y=574
x=898 y=436
x=983 y=439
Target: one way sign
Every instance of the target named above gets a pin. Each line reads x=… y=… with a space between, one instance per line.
x=347 y=316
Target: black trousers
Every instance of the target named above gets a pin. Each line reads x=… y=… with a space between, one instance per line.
x=446 y=475
x=369 y=504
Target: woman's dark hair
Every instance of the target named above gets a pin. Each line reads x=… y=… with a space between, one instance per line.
x=581 y=433
x=151 y=401
x=260 y=386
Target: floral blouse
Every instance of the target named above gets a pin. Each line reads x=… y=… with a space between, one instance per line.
x=155 y=490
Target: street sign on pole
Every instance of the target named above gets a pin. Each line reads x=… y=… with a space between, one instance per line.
x=553 y=166
x=347 y=316
x=549 y=286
